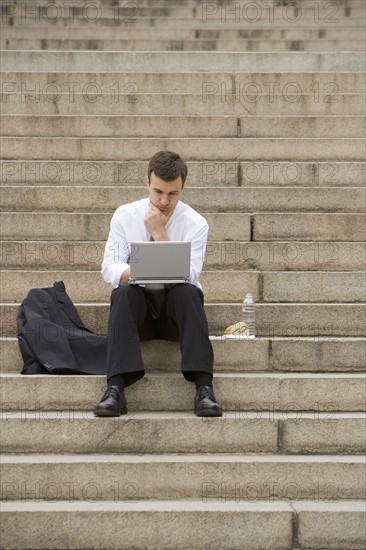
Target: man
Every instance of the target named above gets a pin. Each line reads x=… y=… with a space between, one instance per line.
x=174 y=312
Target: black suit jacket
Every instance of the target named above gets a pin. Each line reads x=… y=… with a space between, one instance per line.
x=52 y=337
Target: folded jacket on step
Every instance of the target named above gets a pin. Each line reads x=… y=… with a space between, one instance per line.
x=52 y=337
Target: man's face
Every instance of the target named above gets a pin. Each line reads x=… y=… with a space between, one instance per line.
x=164 y=194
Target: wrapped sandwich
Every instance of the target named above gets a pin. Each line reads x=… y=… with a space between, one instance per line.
x=239 y=329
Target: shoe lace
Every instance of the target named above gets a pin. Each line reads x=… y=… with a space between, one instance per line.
x=206 y=391
x=111 y=392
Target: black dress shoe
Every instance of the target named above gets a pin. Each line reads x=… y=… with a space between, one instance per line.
x=205 y=403
x=113 y=403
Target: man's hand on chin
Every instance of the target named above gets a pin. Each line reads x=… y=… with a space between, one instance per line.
x=155 y=221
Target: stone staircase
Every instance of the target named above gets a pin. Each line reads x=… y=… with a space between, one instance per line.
x=266 y=102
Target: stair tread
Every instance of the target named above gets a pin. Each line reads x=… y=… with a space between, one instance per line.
x=218 y=375
x=141 y=416
x=147 y=458
x=182 y=505
x=196 y=61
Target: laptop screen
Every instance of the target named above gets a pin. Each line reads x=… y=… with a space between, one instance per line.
x=160 y=261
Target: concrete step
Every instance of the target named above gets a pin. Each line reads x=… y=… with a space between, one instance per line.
x=129 y=523
x=183 y=61
x=82 y=226
x=187 y=3
x=164 y=356
x=271 y=227
x=95 y=15
x=260 y=256
x=51 y=83
x=332 y=393
x=343 y=525
x=262 y=354
x=219 y=285
x=295 y=319
x=127 y=13
x=90 y=227
x=121 y=22
x=312 y=287
x=206 y=33
x=182 y=432
x=209 y=478
x=207 y=199
x=212 y=99
x=298 y=149
x=184 y=525
x=90 y=287
x=182 y=126
x=62 y=11
x=232 y=227
x=235 y=45
x=175 y=3
x=152 y=3
x=204 y=173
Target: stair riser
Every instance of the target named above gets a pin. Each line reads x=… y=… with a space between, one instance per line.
x=273 y=526
x=214 y=481
x=313 y=287
x=319 y=355
x=90 y=287
x=93 y=227
x=230 y=357
x=261 y=432
x=210 y=199
x=258 y=256
x=130 y=99
x=330 y=84
x=204 y=13
x=272 y=227
x=343 y=354
x=223 y=286
x=284 y=17
x=190 y=148
x=209 y=173
x=149 y=33
x=231 y=127
x=241 y=45
x=155 y=393
x=180 y=3
x=188 y=61
x=229 y=226
x=177 y=529
x=295 y=320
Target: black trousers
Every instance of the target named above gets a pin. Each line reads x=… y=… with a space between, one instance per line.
x=182 y=318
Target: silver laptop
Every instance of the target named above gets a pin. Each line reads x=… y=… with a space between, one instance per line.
x=160 y=262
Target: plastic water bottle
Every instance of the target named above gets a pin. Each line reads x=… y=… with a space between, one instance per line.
x=249 y=314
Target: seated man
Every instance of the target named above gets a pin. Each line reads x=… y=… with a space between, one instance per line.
x=174 y=312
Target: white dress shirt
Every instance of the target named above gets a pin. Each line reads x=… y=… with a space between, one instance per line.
x=127 y=225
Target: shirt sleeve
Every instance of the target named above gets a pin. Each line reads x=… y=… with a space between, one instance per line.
x=198 y=250
x=116 y=252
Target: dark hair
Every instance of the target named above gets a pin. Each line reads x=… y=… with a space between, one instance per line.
x=167 y=166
